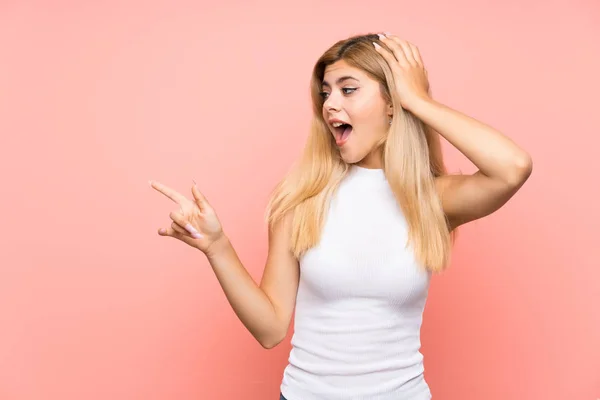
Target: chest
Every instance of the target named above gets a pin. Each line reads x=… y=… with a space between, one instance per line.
x=363 y=252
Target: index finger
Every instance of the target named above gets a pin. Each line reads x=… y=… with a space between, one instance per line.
x=167 y=191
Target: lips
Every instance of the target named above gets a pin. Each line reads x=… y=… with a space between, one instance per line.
x=338 y=125
x=341 y=130
x=334 y=121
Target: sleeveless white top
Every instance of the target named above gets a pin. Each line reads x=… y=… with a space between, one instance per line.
x=360 y=302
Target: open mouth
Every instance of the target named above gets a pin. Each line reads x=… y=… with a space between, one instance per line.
x=342 y=131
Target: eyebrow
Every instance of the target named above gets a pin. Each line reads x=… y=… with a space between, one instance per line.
x=340 y=80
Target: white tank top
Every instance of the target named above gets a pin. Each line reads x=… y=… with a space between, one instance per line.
x=360 y=302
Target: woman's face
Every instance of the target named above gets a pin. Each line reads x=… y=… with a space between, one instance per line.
x=354 y=99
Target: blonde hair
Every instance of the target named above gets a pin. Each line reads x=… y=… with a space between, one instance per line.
x=412 y=159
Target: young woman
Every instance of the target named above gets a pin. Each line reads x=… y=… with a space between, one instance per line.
x=359 y=226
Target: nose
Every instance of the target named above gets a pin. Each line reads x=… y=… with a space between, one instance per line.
x=332 y=102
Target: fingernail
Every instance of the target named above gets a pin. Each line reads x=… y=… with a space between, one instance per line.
x=190 y=228
x=194 y=182
x=376 y=46
x=162 y=230
x=197 y=235
x=381 y=36
x=150 y=183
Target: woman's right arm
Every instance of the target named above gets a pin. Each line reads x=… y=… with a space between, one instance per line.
x=265 y=310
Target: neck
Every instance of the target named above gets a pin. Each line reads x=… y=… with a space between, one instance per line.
x=373 y=160
x=370 y=164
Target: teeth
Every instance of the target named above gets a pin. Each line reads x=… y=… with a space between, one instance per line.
x=337 y=124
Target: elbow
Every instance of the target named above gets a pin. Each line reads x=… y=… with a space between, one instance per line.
x=525 y=165
x=271 y=342
x=268 y=345
x=521 y=170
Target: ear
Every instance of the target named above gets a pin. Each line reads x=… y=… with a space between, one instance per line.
x=390 y=110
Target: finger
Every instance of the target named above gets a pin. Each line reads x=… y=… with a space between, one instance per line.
x=406 y=50
x=174 y=234
x=387 y=55
x=199 y=197
x=416 y=54
x=397 y=50
x=178 y=228
x=167 y=191
x=181 y=221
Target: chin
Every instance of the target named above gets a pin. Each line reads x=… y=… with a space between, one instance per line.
x=350 y=158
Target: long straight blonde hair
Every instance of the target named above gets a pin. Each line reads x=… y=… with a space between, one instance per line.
x=412 y=160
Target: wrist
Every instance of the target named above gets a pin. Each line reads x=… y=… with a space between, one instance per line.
x=218 y=247
x=421 y=106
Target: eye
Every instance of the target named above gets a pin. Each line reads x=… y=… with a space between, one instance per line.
x=324 y=95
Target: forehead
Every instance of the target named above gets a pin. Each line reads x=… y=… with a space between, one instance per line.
x=341 y=69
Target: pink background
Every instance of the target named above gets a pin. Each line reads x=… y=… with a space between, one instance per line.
x=97 y=98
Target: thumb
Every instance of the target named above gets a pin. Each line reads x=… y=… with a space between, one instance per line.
x=176 y=235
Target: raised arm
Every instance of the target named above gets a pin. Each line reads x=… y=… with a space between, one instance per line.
x=503 y=166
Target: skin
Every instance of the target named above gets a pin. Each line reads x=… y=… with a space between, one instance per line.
x=359 y=102
x=503 y=167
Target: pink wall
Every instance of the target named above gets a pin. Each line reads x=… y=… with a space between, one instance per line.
x=97 y=99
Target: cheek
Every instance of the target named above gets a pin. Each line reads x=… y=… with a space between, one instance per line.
x=370 y=115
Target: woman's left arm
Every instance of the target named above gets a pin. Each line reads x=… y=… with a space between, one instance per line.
x=503 y=166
